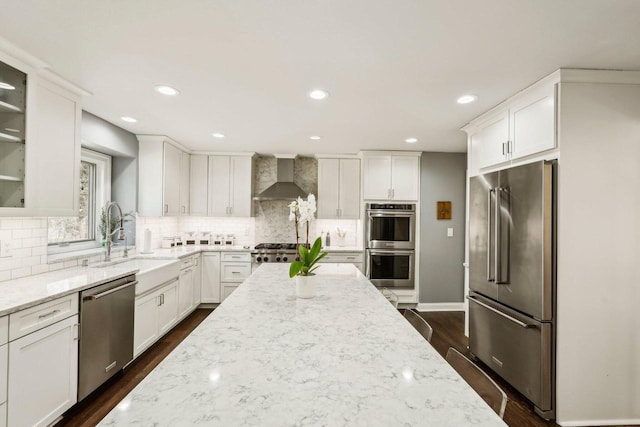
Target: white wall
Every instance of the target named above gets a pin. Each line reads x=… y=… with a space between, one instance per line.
x=598 y=292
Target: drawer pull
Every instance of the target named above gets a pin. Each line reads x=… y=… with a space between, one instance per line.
x=499 y=313
x=235 y=272
x=51 y=313
x=111 y=366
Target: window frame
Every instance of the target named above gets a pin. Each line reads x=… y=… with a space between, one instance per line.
x=101 y=195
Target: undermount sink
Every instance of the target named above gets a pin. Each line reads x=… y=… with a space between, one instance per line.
x=151 y=272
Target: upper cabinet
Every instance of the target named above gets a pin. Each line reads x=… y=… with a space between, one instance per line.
x=230 y=186
x=338 y=188
x=391 y=176
x=198 y=196
x=522 y=126
x=160 y=160
x=39 y=140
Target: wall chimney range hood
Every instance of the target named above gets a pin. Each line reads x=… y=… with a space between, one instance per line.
x=284 y=188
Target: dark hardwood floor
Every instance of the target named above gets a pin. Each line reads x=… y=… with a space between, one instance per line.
x=448 y=331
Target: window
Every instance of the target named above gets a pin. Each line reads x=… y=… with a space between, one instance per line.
x=82 y=231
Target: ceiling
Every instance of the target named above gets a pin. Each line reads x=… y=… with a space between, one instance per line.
x=393 y=68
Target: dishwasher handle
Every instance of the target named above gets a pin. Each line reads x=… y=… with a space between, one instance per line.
x=110 y=291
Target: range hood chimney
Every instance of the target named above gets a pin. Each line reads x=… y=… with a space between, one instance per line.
x=284 y=188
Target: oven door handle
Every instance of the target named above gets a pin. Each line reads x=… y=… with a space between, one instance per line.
x=390 y=252
x=373 y=214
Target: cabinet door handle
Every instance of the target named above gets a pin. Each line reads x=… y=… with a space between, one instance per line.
x=166 y=208
x=231 y=210
x=51 y=313
x=510 y=147
x=159 y=300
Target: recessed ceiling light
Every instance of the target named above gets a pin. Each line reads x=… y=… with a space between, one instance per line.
x=166 y=90
x=467 y=99
x=6 y=86
x=411 y=140
x=314 y=137
x=318 y=94
x=128 y=119
x=217 y=135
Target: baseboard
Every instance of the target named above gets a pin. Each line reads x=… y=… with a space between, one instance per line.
x=440 y=306
x=626 y=422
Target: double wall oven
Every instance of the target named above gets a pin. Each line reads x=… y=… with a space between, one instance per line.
x=390 y=244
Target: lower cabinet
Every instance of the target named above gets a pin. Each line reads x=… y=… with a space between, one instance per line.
x=43 y=374
x=155 y=314
x=235 y=267
x=185 y=292
x=3 y=415
x=355 y=258
x=197 y=280
x=210 y=277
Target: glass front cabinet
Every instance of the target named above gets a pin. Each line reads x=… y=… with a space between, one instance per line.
x=40 y=117
x=13 y=99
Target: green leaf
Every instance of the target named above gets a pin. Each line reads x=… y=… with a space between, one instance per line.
x=322 y=255
x=315 y=250
x=294 y=269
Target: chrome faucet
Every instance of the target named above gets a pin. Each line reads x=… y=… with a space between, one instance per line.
x=108 y=232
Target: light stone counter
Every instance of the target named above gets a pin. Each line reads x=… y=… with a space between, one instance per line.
x=28 y=291
x=266 y=358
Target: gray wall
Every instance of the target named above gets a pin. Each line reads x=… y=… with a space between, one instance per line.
x=441 y=257
x=104 y=137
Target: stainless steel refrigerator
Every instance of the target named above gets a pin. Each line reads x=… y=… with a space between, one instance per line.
x=512 y=278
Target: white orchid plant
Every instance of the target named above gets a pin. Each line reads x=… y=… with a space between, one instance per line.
x=302 y=212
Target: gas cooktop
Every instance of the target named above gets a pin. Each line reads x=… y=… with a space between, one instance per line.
x=276 y=246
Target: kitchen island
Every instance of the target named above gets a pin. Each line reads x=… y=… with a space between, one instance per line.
x=264 y=357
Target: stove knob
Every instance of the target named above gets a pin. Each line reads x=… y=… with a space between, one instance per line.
x=265 y=259
x=297 y=258
x=277 y=259
x=259 y=259
x=285 y=259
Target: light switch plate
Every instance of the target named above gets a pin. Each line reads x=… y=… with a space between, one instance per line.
x=449 y=232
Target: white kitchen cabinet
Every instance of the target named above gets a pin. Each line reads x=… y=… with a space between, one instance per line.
x=43 y=374
x=197 y=280
x=3 y=414
x=338 y=188
x=155 y=314
x=532 y=118
x=185 y=178
x=227 y=289
x=210 y=277
x=391 y=176
x=168 y=309
x=4 y=367
x=171 y=176
x=522 y=126
x=235 y=267
x=355 y=258
x=377 y=177
x=405 y=177
x=161 y=160
x=185 y=292
x=145 y=331
x=198 y=196
x=230 y=186
x=43 y=141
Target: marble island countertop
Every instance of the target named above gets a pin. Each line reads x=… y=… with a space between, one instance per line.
x=264 y=357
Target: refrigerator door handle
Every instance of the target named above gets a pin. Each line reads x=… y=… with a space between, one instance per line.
x=498 y=236
x=500 y=313
x=490 y=278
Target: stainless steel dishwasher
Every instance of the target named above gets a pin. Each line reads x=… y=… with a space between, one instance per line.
x=106 y=332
